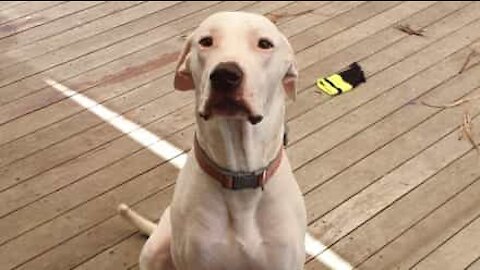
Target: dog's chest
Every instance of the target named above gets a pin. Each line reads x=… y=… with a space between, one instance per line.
x=232 y=252
x=235 y=251
x=236 y=230
x=241 y=240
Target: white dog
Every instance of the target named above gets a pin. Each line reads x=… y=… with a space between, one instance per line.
x=236 y=204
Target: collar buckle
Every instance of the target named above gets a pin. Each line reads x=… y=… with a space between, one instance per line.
x=248 y=180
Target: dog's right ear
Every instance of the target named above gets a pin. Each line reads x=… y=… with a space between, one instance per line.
x=183 y=76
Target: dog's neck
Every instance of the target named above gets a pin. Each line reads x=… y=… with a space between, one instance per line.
x=237 y=145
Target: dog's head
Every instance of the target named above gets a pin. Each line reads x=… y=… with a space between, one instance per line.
x=237 y=62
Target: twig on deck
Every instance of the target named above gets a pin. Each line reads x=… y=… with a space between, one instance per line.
x=467 y=130
x=407 y=29
x=450 y=105
x=274 y=17
x=467 y=60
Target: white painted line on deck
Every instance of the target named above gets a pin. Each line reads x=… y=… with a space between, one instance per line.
x=313 y=247
x=144 y=137
x=177 y=157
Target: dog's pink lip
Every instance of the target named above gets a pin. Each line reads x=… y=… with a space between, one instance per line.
x=230 y=108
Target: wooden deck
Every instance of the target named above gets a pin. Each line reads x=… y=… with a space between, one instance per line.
x=387 y=182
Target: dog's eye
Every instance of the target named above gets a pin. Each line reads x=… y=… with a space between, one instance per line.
x=265 y=44
x=206 y=42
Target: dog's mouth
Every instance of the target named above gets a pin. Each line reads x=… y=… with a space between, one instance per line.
x=229 y=107
x=226 y=94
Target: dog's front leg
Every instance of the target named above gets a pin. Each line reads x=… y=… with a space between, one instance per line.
x=156 y=253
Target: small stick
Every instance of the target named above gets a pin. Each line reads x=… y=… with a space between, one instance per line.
x=407 y=29
x=450 y=105
x=467 y=61
x=467 y=130
x=274 y=17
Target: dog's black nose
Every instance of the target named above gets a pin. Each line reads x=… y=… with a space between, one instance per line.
x=226 y=77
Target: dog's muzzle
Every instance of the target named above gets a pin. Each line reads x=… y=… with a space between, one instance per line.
x=227 y=94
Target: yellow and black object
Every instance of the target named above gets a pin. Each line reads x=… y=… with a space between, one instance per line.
x=343 y=81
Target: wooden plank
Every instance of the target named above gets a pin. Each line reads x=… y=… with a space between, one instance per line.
x=154 y=159
x=68 y=104
x=12 y=196
x=11 y=109
x=305 y=99
x=310 y=169
x=315 y=169
x=123 y=255
x=101 y=236
x=360 y=31
x=360 y=174
x=139 y=187
x=65 y=23
x=320 y=15
x=18 y=111
x=108 y=73
x=130 y=99
x=78 y=224
x=418 y=237
x=308 y=99
x=389 y=188
x=31 y=196
x=407 y=212
x=54 y=113
x=101 y=161
x=460 y=250
x=439 y=124
x=401 y=71
x=152 y=111
x=115 y=258
x=83 y=64
x=18 y=71
x=26 y=9
x=12 y=28
x=345 y=185
x=92 y=52
x=345 y=21
x=10 y=4
x=94 y=140
x=330 y=177
x=40 y=47
x=141 y=161
x=475 y=265
x=55 y=158
x=146 y=114
x=387 y=47
x=49 y=117
x=299 y=22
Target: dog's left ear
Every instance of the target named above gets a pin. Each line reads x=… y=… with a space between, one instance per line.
x=290 y=81
x=290 y=78
x=183 y=76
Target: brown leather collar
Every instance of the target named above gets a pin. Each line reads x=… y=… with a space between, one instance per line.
x=237 y=180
